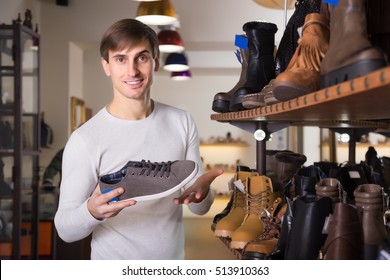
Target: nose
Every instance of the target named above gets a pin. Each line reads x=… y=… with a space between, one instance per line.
x=132 y=69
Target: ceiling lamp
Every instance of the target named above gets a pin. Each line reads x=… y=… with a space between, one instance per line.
x=176 y=62
x=170 y=41
x=156 y=12
x=181 y=75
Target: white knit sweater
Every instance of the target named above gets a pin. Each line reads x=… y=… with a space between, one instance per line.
x=148 y=230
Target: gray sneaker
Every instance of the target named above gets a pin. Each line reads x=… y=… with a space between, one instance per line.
x=145 y=180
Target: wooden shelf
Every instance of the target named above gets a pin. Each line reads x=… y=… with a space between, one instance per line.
x=361 y=102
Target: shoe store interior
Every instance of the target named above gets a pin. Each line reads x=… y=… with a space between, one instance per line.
x=288 y=97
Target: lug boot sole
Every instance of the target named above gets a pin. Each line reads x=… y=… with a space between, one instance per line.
x=350 y=72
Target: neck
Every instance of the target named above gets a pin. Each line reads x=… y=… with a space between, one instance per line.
x=131 y=110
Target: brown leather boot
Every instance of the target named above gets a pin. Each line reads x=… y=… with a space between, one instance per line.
x=221 y=101
x=329 y=187
x=288 y=164
x=259 y=197
x=265 y=244
x=289 y=41
x=226 y=226
x=302 y=75
x=369 y=202
x=350 y=53
x=345 y=239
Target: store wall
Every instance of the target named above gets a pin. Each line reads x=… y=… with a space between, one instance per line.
x=71 y=34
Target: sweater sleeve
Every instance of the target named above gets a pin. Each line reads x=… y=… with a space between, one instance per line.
x=73 y=221
x=193 y=153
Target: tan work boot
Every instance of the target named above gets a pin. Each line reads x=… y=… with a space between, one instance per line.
x=261 y=247
x=259 y=197
x=302 y=75
x=227 y=225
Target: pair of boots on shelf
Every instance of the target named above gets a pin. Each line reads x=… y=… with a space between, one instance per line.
x=357 y=231
x=257 y=66
x=254 y=196
x=333 y=48
x=255 y=199
x=319 y=224
x=263 y=65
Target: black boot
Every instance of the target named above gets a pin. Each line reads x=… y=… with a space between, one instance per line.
x=306 y=237
x=304 y=182
x=261 y=65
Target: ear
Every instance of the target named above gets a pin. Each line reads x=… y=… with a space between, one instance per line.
x=157 y=64
x=106 y=67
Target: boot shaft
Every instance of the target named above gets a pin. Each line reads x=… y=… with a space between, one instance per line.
x=260 y=194
x=345 y=240
x=330 y=187
x=349 y=42
x=289 y=41
x=261 y=45
x=370 y=207
x=305 y=180
x=313 y=44
x=287 y=165
x=306 y=238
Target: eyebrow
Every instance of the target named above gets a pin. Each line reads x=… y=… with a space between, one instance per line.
x=145 y=51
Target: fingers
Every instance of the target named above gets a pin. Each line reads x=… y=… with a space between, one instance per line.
x=107 y=205
x=210 y=176
x=186 y=198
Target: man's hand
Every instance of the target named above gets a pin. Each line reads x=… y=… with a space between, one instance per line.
x=199 y=190
x=100 y=207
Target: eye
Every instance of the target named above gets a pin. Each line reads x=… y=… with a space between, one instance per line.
x=121 y=59
x=143 y=58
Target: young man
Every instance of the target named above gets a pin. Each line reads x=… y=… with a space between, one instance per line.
x=132 y=127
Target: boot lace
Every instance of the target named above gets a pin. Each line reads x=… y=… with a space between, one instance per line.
x=256 y=201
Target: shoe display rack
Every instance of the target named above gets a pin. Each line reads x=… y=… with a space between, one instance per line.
x=19 y=144
x=356 y=107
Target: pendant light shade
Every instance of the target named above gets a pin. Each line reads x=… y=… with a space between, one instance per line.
x=181 y=76
x=176 y=62
x=170 y=41
x=156 y=12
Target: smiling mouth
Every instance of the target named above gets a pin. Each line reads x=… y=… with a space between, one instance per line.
x=133 y=82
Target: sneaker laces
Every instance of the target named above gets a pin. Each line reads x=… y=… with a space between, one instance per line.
x=158 y=167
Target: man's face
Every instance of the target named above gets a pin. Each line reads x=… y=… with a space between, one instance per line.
x=131 y=71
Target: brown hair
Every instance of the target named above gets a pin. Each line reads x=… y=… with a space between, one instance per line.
x=126 y=32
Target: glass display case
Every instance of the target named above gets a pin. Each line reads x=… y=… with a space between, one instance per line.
x=19 y=141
